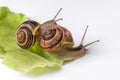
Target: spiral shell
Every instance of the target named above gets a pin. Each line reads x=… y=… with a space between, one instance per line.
x=53 y=38
x=26 y=34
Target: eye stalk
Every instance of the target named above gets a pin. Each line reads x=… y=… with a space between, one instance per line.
x=67 y=44
x=57 y=14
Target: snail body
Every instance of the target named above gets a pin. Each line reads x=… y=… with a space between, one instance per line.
x=51 y=37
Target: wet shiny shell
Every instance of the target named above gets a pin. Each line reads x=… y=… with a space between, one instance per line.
x=24 y=35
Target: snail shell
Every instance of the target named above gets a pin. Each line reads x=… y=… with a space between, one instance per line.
x=53 y=37
x=26 y=34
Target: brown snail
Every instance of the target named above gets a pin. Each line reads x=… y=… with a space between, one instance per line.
x=53 y=38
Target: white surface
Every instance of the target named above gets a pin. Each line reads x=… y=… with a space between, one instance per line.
x=103 y=60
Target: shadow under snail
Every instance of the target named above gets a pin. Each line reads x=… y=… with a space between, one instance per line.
x=51 y=37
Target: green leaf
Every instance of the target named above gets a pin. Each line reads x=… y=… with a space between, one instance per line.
x=26 y=61
x=3 y=12
x=34 y=60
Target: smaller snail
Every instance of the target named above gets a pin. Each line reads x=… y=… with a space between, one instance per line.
x=26 y=34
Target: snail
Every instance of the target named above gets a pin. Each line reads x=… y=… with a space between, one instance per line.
x=52 y=38
x=58 y=40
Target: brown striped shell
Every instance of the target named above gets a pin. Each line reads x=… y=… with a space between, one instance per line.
x=54 y=36
x=26 y=34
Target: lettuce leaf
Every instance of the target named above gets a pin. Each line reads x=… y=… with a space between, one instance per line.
x=32 y=61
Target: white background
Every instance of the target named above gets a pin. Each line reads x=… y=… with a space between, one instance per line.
x=103 y=17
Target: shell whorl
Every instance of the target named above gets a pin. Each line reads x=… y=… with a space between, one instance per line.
x=25 y=36
x=53 y=38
